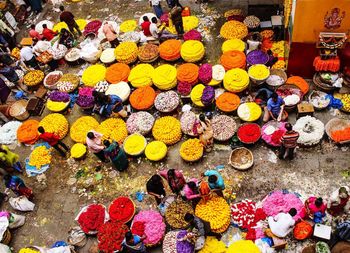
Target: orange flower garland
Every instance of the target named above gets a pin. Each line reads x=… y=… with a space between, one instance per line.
x=169 y=50
x=142 y=98
x=228 y=102
x=233 y=59
x=341 y=135
x=117 y=72
x=188 y=73
x=299 y=82
x=28 y=132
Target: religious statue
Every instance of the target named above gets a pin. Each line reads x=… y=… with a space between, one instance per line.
x=333 y=19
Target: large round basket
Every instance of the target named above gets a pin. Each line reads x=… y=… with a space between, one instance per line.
x=52 y=86
x=241 y=158
x=321 y=85
x=336 y=124
x=6 y=238
x=71 y=78
x=317 y=102
x=297 y=92
x=143 y=148
x=18 y=110
x=175 y=213
x=122 y=204
x=277 y=72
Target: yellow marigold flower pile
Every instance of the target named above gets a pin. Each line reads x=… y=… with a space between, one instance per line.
x=40 y=156
x=16 y=53
x=141 y=75
x=191 y=150
x=59 y=26
x=134 y=144
x=164 y=77
x=113 y=129
x=213 y=245
x=128 y=26
x=33 y=77
x=81 y=127
x=28 y=250
x=280 y=64
x=54 y=106
x=126 y=52
x=250 y=111
x=78 y=150
x=190 y=22
x=236 y=80
x=94 y=74
x=216 y=211
x=233 y=44
x=345 y=99
x=259 y=72
x=167 y=129
x=241 y=246
x=278 y=48
x=192 y=50
x=233 y=30
x=196 y=94
x=156 y=150
x=55 y=123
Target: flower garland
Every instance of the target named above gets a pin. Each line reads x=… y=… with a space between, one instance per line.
x=135 y=144
x=140 y=122
x=117 y=72
x=310 y=129
x=92 y=218
x=113 y=129
x=191 y=150
x=192 y=35
x=228 y=102
x=259 y=72
x=27 y=133
x=81 y=127
x=55 y=123
x=169 y=50
x=8 y=132
x=142 y=98
x=56 y=106
x=122 y=209
x=156 y=151
x=141 y=75
x=110 y=236
x=236 y=80
x=233 y=44
x=126 y=52
x=93 y=74
x=249 y=111
x=233 y=59
x=164 y=77
x=192 y=51
x=40 y=156
x=78 y=150
x=167 y=129
x=233 y=30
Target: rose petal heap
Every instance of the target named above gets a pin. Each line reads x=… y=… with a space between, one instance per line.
x=249 y=111
x=156 y=150
x=93 y=74
x=188 y=121
x=27 y=133
x=81 y=127
x=55 y=123
x=236 y=80
x=107 y=56
x=169 y=50
x=192 y=51
x=233 y=44
x=164 y=77
x=142 y=98
x=40 y=156
x=138 y=228
x=128 y=26
x=175 y=213
x=257 y=57
x=117 y=72
x=78 y=150
x=33 y=77
x=140 y=122
x=233 y=30
x=233 y=59
x=259 y=72
x=167 y=129
x=111 y=235
x=191 y=150
x=126 y=52
x=141 y=75
x=68 y=82
x=196 y=94
x=92 y=218
x=249 y=133
x=205 y=73
x=122 y=209
x=113 y=129
x=246 y=214
x=228 y=102
x=192 y=35
x=224 y=127
x=216 y=211
x=243 y=246
x=134 y=144
x=167 y=101
x=213 y=245
x=148 y=53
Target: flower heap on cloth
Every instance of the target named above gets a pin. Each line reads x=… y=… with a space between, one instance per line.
x=128 y=26
x=107 y=55
x=169 y=50
x=197 y=93
x=249 y=133
x=102 y=86
x=57 y=101
x=154 y=226
x=167 y=129
x=68 y=82
x=81 y=127
x=122 y=209
x=192 y=35
x=156 y=151
x=218 y=74
x=141 y=75
x=233 y=44
x=233 y=59
x=126 y=52
x=55 y=123
x=257 y=57
x=170 y=242
x=249 y=111
x=33 y=77
x=175 y=213
x=272 y=133
x=192 y=51
x=142 y=98
x=190 y=22
x=59 y=26
x=27 y=133
x=246 y=214
x=85 y=98
x=92 y=27
x=243 y=246
x=184 y=246
x=78 y=150
x=135 y=144
x=40 y=156
x=216 y=211
x=140 y=122
x=167 y=101
x=121 y=89
x=91 y=218
x=93 y=74
x=310 y=129
x=236 y=80
x=281 y=202
x=111 y=235
x=205 y=73
x=138 y=228
x=299 y=82
x=191 y=150
x=259 y=72
x=213 y=245
x=188 y=121
x=117 y=72
x=148 y=53
x=224 y=127
x=113 y=129
x=8 y=132
x=233 y=30
x=164 y=77
x=228 y=102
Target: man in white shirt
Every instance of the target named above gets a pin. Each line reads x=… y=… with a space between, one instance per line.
x=282 y=224
x=28 y=57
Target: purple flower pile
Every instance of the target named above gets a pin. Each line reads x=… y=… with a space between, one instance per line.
x=58 y=96
x=257 y=57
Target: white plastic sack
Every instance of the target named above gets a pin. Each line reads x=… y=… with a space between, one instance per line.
x=4 y=223
x=21 y=204
x=264 y=247
x=16 y=220
x=4 y=248
x=62 y=249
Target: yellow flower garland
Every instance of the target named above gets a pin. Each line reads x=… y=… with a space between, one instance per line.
x=78 y=150
x=236 y=80
x=233 y=44
x=259 y=72
x=141 y=75
x=113 y=129
x=126 y=52
x=167 y=129
x=81 y=127
x=192 y=50
x=128 y=26
x=249 y=111
x=243 y=246
x=233 y=30
x=54 y=106
x=55 y=123
x=196 y=94
x=94 y=74
x=278 y=48
x=191 y=150
x=164 y=77
x=213 y=245
x=134 y=144
x=156 y=150
x=40 y=156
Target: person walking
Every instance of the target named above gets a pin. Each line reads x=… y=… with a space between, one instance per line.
x=157 y=8
x=68 y=18
x=289 y=142
x=155 y=187
x=9 y=159
x=53 y=140
x=16 y=184
x=95 y=146
x=176 y=18
x=116 y=154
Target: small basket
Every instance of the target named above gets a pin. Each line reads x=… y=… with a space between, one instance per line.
x=317 y=93
x=6 y=237
x=336 y=124
x=18 y=110
x=322 y=86
x=53 y=86
x=278 y=72
x=243 y=152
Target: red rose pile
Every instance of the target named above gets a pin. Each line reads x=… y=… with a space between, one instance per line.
x=122 y=209
x=92 y=218
x=110 y=236
x=249 y=133
x=138 y=228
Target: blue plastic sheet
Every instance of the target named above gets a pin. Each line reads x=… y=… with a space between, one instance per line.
x=335 y=103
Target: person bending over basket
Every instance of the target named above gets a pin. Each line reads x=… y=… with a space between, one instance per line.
x=53 y=140
x=275 y=109
x=116 y=154
x=175 y=179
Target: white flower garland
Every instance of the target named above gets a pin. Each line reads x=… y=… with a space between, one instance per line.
x=310 y=129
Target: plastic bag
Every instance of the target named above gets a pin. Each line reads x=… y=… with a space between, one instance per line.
x=16 y=220
x=62 y=249
x=4 y=248
x=4 y=223
x=264 y=246
x=21 y=204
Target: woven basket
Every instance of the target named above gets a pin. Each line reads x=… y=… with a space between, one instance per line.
x=18 y=110
x=6 y=238
x=278 y=72
x=317 y=93
x=336 y=124
x=290 y=108
x=247 y=153
x=320 y=85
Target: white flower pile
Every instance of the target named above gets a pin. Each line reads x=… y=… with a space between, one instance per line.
x=310 y=129
x=8 y=132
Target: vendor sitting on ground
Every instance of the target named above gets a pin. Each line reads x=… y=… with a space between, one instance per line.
x=34 y=34
x=66 y=38
x=175 y=179
x=146 y=26
x=275 y=109
x=215 y=180
x=10 y=73
x=108 y=105
x=134 y=243
x=315 y=209
x=282 y=224
x=339 y=201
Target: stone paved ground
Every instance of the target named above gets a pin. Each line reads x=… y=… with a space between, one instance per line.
x=314 y=171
